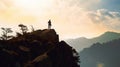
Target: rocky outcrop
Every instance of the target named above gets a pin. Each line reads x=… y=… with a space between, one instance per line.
x=40 y=48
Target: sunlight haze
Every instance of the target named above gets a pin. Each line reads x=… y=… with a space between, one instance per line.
x=70 y=18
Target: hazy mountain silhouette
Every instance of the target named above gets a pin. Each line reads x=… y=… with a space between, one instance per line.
x=40 y=48
x=82 y=42
x=101 y=55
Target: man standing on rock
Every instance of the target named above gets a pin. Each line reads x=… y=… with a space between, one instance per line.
x=49 y=24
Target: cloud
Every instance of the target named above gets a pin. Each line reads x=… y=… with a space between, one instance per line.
x=11 y=14
x=71 y=18
x=107 y=18
x=86 y=4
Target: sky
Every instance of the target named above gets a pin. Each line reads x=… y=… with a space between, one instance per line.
x=70 y=18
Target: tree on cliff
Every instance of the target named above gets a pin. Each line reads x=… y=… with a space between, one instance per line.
x=5 y=32
x=24 y=28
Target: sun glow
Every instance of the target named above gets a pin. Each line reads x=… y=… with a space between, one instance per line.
x=33 y=4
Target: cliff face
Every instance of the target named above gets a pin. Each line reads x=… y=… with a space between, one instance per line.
x=40 y=48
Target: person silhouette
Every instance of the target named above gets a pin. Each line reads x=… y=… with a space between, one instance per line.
x=49 y=24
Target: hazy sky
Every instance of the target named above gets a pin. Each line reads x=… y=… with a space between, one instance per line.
x=70 y=18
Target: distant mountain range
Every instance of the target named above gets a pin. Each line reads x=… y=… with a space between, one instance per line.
x=80 y=43
x=101 y=55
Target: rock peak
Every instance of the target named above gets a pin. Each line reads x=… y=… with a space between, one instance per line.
x=36 y=49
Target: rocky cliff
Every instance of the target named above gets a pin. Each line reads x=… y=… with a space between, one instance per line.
x=40 y=48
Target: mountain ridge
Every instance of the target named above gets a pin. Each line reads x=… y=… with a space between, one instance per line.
x=81 y=43
x=106 y=54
